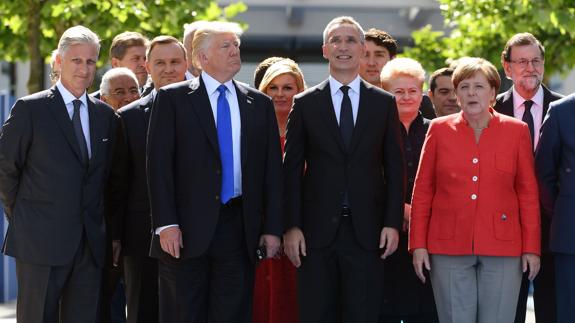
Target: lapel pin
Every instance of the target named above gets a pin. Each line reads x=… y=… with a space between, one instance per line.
x=105 y=139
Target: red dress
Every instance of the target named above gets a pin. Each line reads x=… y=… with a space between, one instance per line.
x=275 y=290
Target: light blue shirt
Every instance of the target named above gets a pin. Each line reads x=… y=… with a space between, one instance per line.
x=212 y=90
x=337 y=96
x=84 y=116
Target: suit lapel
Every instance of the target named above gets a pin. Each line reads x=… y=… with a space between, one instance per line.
x=547 y=99
x=364 y=108
x=325 y=104
x=507 y=103
x=95 y=128
x=246 y=105
x=146 y=104
x=58 y=109
x=200 y=102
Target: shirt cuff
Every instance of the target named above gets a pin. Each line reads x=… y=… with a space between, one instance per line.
x=160 y=229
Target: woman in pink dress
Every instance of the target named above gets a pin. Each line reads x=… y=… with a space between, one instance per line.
x=275 y=287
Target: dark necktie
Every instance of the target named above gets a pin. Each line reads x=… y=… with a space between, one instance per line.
x=346 y=117
x=528 y=118
x=77 y=123
x=226 y=145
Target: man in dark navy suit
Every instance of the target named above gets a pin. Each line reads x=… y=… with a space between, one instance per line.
x=166 y=63
x=55 y=153
x=555 y=164
x=523 y=60
x=215 y=180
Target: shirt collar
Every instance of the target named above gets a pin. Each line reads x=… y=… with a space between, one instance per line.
x=334 y=85
x=68 y=96
x=212 y=84
x=537 y=98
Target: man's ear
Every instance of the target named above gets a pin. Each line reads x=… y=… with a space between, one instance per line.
x=115 y=62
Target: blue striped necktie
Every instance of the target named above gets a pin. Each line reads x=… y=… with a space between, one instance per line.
x=224 y=124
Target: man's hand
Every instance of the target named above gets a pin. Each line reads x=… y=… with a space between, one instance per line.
x=420 y=259
x=294 y=245
x=406 y=217
x=531 y=262
x=116 y=251
x=388 y=240
x=272 y=244
x=171 y=241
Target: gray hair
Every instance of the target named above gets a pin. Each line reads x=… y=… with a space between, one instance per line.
x=77 y=35
x=343 y=20
x=203 y=35
x=113 y=73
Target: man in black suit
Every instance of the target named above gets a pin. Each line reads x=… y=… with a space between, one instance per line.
x=55 y=153
x=344 y=185
x=166 y=63
x=523 y=60
x=215 y=180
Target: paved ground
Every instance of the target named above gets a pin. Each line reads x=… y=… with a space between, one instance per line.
x=8 y=312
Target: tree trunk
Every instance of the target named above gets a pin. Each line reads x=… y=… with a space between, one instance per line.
x=36 y=77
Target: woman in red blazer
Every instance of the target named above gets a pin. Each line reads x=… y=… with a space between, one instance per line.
x=475 y=206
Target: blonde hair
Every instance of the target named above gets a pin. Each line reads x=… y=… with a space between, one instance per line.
x=285 y=66
x=468 y=66
x=401 y=67
x=203 y=36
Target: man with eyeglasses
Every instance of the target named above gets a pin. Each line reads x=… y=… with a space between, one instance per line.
x=523 y=60
x=119 y=87
x=130 y=205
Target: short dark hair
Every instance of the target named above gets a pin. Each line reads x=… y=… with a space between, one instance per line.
x=445 y=71
x=125 y=40
x=521 y=39
x=164 y=40
x=383 y=39
x=263 y=67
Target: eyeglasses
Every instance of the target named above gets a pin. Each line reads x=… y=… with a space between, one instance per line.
x=536 y=62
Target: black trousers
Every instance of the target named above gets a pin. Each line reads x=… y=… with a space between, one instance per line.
x=565 y=274
x=59 y=294
x=216 y=287
x=341 y=283
x=141 y=278
x=543 y=293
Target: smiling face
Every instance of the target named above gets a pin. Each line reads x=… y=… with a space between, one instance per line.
x=475 y=95
x=408 y=95
x=525 y=69
x=135 y=60
x=77 y=67
x=167 y=64
x=123 y=90
x=344 y=50
x=373 y=62
x=282 y=90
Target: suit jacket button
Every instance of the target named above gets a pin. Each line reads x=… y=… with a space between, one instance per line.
x=217 y=197
x=503 y=217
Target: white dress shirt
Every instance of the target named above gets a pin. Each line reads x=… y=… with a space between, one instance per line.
x=337 y=96
x=536 y=111
x=213 y=94
x=84 y=116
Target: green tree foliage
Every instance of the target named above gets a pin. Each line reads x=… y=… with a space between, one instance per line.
x=482 y=27
x=31 y=28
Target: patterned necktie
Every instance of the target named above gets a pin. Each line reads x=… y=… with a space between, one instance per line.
x=528 y=119
x=346 y=117
x=77 y=123
x=226 y=145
